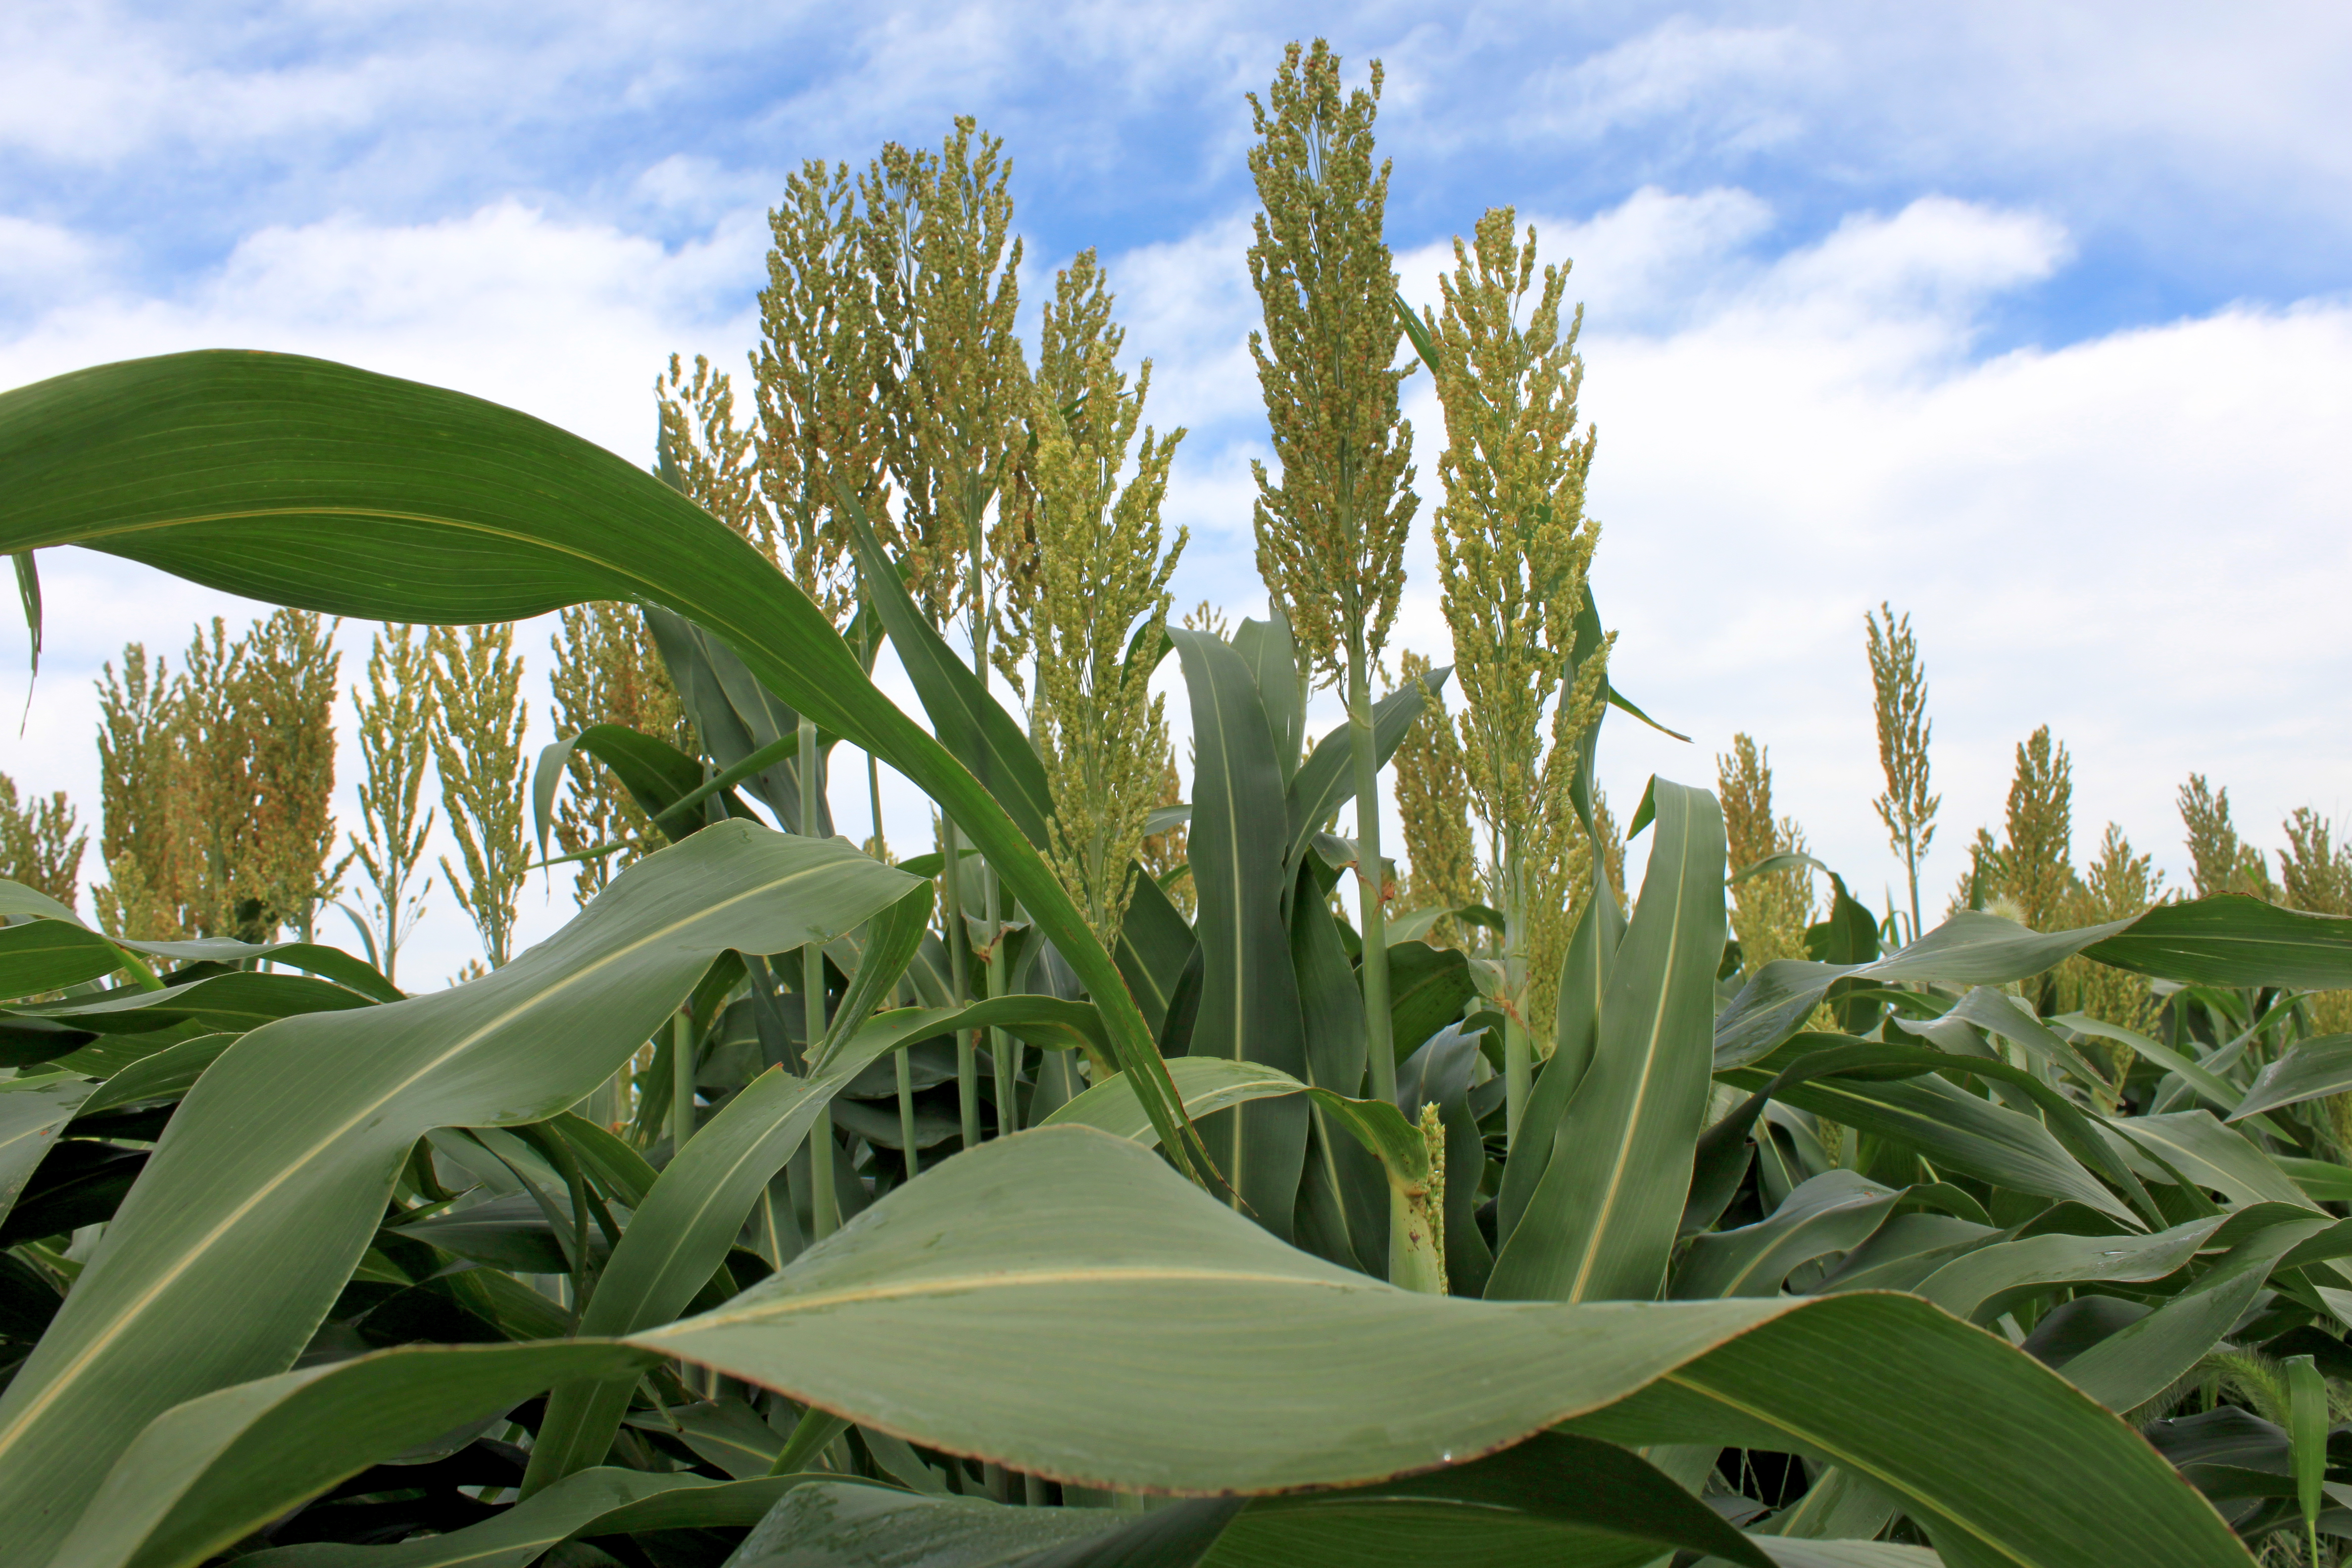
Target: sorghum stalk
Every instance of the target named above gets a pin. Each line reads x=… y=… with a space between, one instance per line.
x=1899 y=685
x=1331 y=530
x=1513 y=552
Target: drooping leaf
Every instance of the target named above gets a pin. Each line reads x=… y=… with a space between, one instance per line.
x=2313 y=1067
x=32 y=1112
x=1203 y=1380
x=316 y=485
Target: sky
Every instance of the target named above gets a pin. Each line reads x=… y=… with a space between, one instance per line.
x=2032 y=321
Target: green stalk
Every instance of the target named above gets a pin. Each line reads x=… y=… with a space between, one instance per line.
x=960 y=982
x=1518 y=1054
x=1372 y=915
x=907 y=1115
x=681 y=1082
x=824 y=1204
x=1002 y=1049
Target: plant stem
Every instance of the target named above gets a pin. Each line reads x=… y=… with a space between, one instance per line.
x=1002 y=1049
x=960 y=982
x=824 y=1204
x=1911 y=864
x=1373 y=920
x=681 y=1082
x=906 y=1115
x=1518 y=1054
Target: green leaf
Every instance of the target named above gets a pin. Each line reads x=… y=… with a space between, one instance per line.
x=1249 y=993
x=49 y=955
x=169 y=1073
x=590 y=1503
x=32 y=1112
x=237 y=1001
x=2227 y=939
x=1981 y=1285
x=2316 y=1067
x=1428 y=988
x=1272 y=654
x=1602 y=1219
x=208 y=1472
x=2134 y=1363
x=307 y=483
x=1833 y=1212
x=277 y=1165
x=1198 y=1378
x=2209 y=1155
x=972 y=724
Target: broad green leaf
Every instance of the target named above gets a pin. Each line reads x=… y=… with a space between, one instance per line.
x=2225 y=1095
x=606 y=1501
x=1249 y=993
x=49 y=955
x=2212 y=1155
x=1155 y=945
x=1208 y=1384
x=33 y=1110
x=207 y=1473
x=2227 y=939
x=2135 y=1363
x=1272 y=654
x=752 y=733
x=1985 y=1283
x=1427 y=989
x=303 y=482
x=273 y=1173
x=2312 y=1069
x=1833 y=1212
x=1962 y=1132
x=1603 y=1220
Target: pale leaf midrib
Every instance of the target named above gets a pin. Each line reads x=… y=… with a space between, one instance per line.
x=1027 y=1279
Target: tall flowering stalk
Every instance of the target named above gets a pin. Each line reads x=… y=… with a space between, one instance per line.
x=952 y=393
x=1771 y=909
x=1331 y=529
x=1103 y=567
x=1899 y=688
x=395 y=724
x=480 y=716
x=1513 y=548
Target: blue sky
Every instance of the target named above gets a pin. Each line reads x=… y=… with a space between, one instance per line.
x=2033 y=319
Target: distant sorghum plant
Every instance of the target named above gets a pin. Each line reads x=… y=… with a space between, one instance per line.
x=395 y=733
x=2220 y=861
x=480 y=721
x=2037 y=870
x=608 y=671
x=1899 y=689
x=40 y=845
x=1771 y=909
